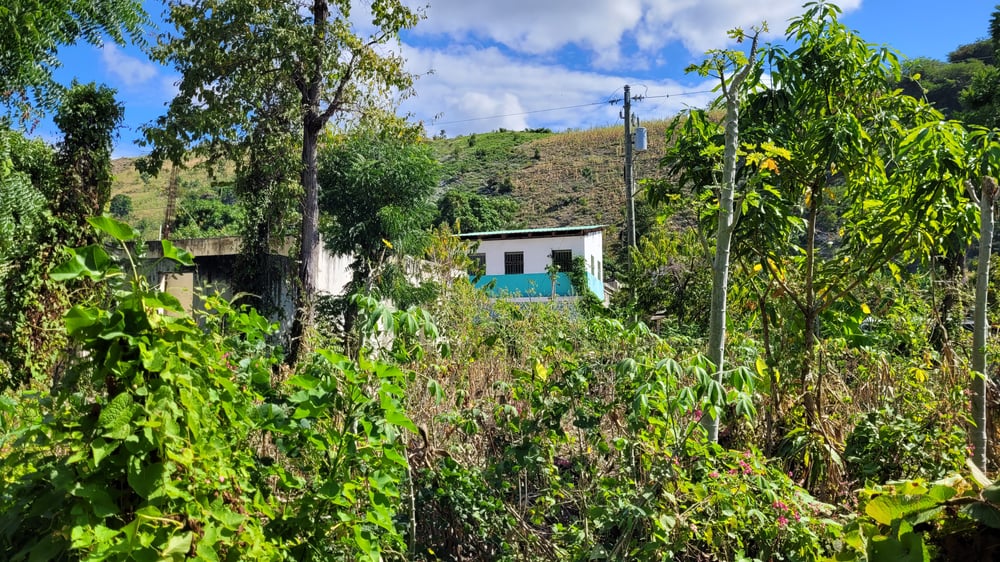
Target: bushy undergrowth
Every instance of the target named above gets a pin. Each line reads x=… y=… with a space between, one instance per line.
x=170 y=439
x=537 y=433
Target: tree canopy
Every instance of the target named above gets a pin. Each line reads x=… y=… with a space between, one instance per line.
x=280 y=67
x=375 y=198
x=31 y=32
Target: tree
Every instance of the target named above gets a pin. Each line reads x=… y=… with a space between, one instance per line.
x=982 y=97
x=985 y=152
x=941 y=83
x=121 y=206
x=32 y=31
x=245 y=62
x=89 y=116
x=731 y=68
x=845 y=177
x=375 y=199
x=46 y=199
x=473 y=212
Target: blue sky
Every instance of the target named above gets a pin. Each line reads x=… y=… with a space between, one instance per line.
x=485 y=64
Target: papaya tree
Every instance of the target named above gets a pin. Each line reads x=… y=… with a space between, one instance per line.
x=986 y=157
x=845 y=176
x=736 y=72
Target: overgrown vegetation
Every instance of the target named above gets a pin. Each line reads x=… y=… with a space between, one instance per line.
x=845 y=419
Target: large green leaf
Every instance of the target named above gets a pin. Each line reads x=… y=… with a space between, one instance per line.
x=176 y=254
x=992 y=493
x=984 y=513
x=886 y=509
x=90 y=261
x=114 y=228
x=144 y=478
x=83 y=321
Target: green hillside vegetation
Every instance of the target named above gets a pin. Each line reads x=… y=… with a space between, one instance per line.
x=554 y=179
x=198 y=188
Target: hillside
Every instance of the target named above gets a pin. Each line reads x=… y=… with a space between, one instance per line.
x=557 y=179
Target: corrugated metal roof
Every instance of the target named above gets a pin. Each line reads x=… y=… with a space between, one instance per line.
x=535 y=232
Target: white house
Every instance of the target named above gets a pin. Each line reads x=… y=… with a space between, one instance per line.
x=517 y=262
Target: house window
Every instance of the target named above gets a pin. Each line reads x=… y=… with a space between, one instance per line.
x=513 y=263
x=592 y=270
x=563 y=259
x=478 y=265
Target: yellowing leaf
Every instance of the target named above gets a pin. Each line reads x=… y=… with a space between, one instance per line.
x=761 y=366
x=757 y=267
x=865 y=309
x=541 y=371
x=387 y=243
x=770 y=164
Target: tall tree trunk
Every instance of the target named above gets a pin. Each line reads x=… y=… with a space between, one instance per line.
x=981 y=327
x=720 y=265
x=313 y=121
x=309 y=257
x=724 y=232
x=809 y=351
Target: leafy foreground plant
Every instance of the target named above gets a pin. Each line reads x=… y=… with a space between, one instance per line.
x=915 y=520
x=166 y=440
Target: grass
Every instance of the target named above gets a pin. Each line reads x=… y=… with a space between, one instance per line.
x=149 y=194
x=558 y=179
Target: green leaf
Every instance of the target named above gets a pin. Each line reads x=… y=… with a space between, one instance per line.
x=886 y=509
x=102 y=448
x=89 y=261
x=984 y=513
x=116 y=416
x=83 y=321
x=177 y=547
x=98 y=498
x=114 y=228
x=175 y=254
x=992 y=493
x=144 y=479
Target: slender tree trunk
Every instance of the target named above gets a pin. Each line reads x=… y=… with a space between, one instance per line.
x=313 y=121
x=809 y=313
x=724 y=232
x=308 y=265
x=981 y=327
x=720 y=265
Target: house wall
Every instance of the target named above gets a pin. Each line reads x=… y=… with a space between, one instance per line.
x=538 y=256
x=537 y=251
x=334 y=273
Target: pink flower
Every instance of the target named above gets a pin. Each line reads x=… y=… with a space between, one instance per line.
x=782 y=521
x=778 y=504
x=713 y=474
x=697 y=414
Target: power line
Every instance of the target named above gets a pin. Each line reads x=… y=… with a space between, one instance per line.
x=612 y=101
x=522 y=113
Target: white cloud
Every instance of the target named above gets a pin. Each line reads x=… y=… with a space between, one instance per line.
x=469 y=84
x=537 y=26
x=601 y=26
x=129 y=70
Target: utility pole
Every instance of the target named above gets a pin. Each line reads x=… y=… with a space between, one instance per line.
x=629 y=188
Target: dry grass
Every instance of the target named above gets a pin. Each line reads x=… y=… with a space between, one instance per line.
x=576 y=179
x=149 y=194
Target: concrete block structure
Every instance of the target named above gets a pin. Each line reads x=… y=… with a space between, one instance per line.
x=517 y=263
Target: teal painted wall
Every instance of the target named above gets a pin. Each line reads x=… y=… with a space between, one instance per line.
x=536 y=285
